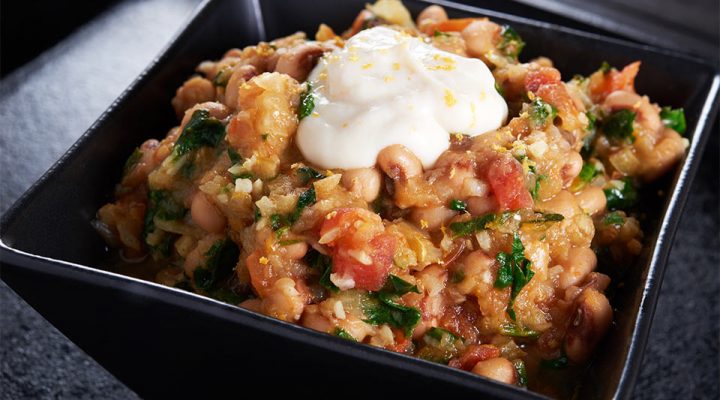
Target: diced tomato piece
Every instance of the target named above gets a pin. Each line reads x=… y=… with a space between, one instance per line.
x=474 y=354
x=454 y=25
x=359 y=247
x=508 y=184
x=602 y=84
x=541 y=76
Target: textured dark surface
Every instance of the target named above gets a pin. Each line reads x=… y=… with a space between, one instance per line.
x=46 y=105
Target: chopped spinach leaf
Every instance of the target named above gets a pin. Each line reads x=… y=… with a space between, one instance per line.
x=439 y=345
x=458 y=205
x=556 y=363
x=438 y=333
x=588 y=172
x=306 y=198
x=621 y=198
x=674 y=119
x=541 y=112
x=162 y=205
x=307 y=174
x=504 y=274
x=307 y=102
x=586 y=150
x=323 y=264
x=511 y=44
x=614 y=218
x=619 y=125
x=221 y=259
x=277 y=221
x=471 y=226
x=519 y=269
x=222 y=77
x=499 y=89
x=340 y=332
x=515 y=331
x=388 y=311
x=235 y=157
x=202 y=130
x=605 y=67
x=132 y=161
x=521 y=373
x=398 y=286
x=536 y=188
x=548 y=217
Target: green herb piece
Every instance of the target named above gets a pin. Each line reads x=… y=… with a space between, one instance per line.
x=516 y=265
x=202 y=130
x=521 y=373
x=499 y=89
x=342 y=333
x=164 y=248
x=289 y=242
x=244 y=175
x=588 y=172
x=438 y=33
x=549 y=217
x=536 y=188
x=235 y=157
x=541 y=112
x=223 y=77
x=674 y=119
x=511 y=44
x=323 y=264
x=586 y=150
x=515 y=331
x=280 y=232
x=398 y=286
x=504 y=274
x=438 y=333
x=388 y=311
x=621 y=198
x=132 y=161
x=221 y=259
x=458 y=276
x=556 y=363
x=307 y=102
x=458 y=205
x=256 y=214
x=307 y=174
x=619 y=125
x=439 y=345
x=187 y=170
x=277 y=221
x=162 y=205
x=306 y=198
x=227 y=296
x=471 y=226
x=614 y=218
x=605 y=67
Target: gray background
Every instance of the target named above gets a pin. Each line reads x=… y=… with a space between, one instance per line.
x=42 y=115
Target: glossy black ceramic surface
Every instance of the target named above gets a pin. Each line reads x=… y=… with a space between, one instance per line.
x=150 y=336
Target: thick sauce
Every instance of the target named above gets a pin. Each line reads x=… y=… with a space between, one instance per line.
x=386 y=87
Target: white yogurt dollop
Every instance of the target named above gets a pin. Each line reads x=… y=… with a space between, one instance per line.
x=386 y=87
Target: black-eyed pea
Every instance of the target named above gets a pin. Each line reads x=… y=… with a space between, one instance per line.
x=591 y=319
x=591 y=200
x=499 y=369
x=363 y=182
x=399 y=163
x=580 y=262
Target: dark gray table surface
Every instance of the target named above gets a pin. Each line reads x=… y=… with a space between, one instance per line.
x=47 y=104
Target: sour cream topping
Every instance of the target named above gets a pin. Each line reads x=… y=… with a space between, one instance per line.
x=386 y=87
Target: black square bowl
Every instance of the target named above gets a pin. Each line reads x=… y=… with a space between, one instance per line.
x=165 y=342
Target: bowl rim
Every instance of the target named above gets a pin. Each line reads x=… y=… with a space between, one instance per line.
x=651 y=285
